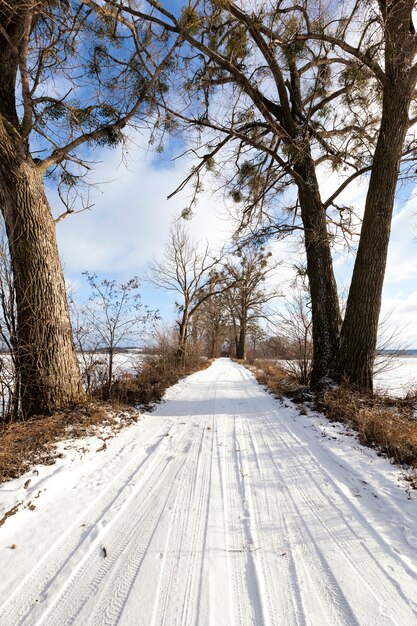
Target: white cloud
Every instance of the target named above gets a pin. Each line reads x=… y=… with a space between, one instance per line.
x=130 y=222
x=402 y=255
x=398 y=315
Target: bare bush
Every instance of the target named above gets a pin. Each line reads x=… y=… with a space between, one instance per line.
x=112 y=318
x=381 y=423
x=158 y=371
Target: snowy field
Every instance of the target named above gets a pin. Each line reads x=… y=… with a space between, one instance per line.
x=394 y=375
x=223 y=507
x=398 y=376
x=128 y=362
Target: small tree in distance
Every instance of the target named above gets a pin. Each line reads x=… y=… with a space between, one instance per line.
x=191 y=273
x=246 y=296
x=296 y=324
x=114 y=316
x=9 y=371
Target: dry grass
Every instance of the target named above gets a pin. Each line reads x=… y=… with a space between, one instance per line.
x=277 y=379
x=381 y=422
x=156 y=375
x=25 y=444
x=28 y=443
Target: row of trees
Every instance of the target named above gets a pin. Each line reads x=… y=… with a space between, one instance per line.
x=225 y=294
x=223 y=305
x=276 y=94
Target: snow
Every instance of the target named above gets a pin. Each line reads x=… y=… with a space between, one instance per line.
x=396 y=377
x=223 y=507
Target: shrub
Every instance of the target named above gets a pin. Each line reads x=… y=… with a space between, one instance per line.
x=276 y=378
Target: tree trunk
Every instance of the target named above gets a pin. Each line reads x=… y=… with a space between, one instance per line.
x=325 y=311
x=360 y=327
x=182 y=337
x=110 y=372
x=46 y=358
x=241 y=343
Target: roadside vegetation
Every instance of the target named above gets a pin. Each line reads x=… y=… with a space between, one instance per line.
x=24 y=444
x=224 y=310
x=382 y=422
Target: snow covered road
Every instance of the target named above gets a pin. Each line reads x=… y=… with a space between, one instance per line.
x=224 y=507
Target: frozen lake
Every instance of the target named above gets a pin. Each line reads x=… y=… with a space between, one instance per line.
x=398 y=375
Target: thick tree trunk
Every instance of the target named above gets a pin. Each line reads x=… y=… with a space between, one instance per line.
x=360 y=327
x=46 y=358
x=241 y=342
x=325 y=311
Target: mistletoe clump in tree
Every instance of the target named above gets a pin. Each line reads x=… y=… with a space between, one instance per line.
x=271 y=109
x=289 y=93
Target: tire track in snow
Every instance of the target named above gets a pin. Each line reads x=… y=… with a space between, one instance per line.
x=340 y=489
x=174 y=600
x=324 y=586
x=229 y=523
x=281 y=584
x=375 y=579
x=180 y=583
x=246 y=607
x=59 y=554
x=78 y=582
x=135 y=542
x=109 y=605
x=109 y=589
x=312 y=571
x=317 y=500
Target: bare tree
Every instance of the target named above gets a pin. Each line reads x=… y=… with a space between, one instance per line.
x=215 y=321
x=256 y=335
x=246 y=297
x=191 y=273
x=9 y=373
x=114 y=317
x=93 y=363
x=306 y=84
x=277 y=125
x=295 y=324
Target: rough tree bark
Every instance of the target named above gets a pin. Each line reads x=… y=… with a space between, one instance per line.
x=183 y=335
x=46 y=358
x=359 y=330
x=241 y=342
x=325 y=311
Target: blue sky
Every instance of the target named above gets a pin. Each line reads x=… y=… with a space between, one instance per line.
x=130 y=221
